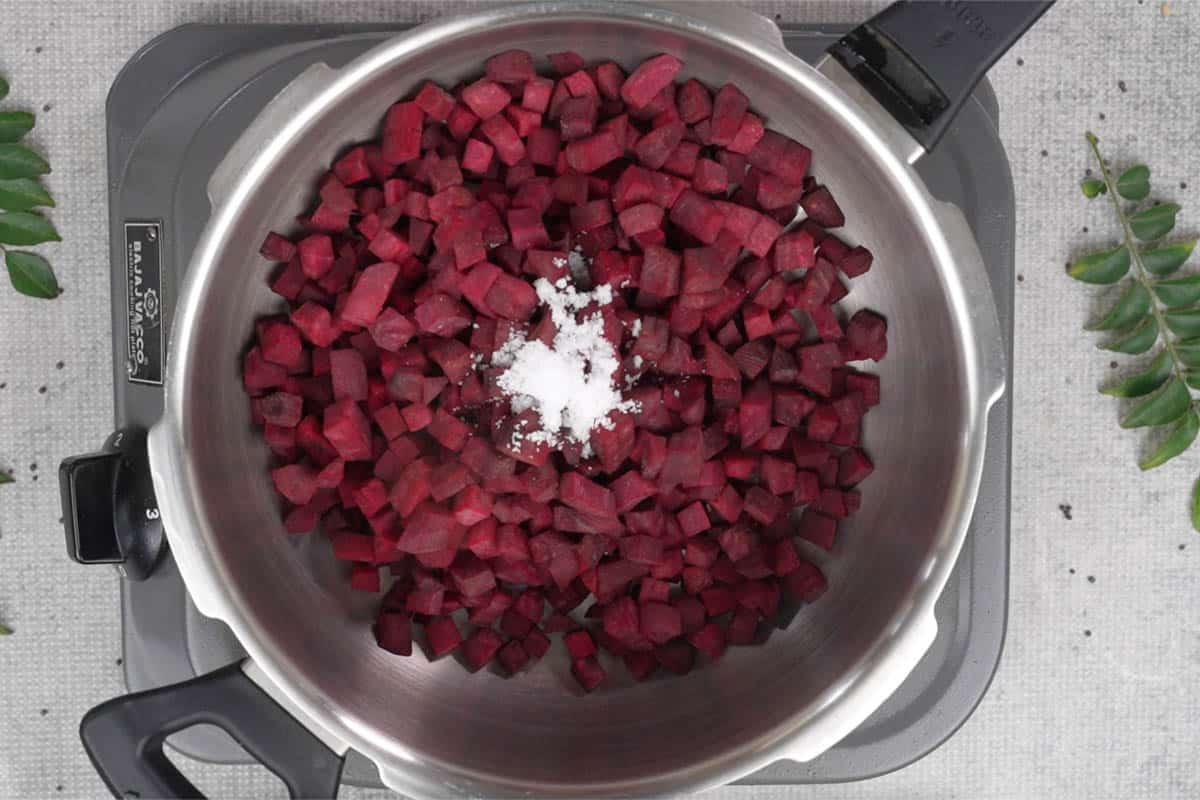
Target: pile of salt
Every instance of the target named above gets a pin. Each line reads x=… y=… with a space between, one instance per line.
x=569 y=385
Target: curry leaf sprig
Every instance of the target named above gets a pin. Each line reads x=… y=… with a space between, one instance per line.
x=1153 y=312
x=21 y=194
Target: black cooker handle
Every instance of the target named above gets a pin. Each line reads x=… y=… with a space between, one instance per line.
x=124 y=737
x=921 y=60
x=109 y=509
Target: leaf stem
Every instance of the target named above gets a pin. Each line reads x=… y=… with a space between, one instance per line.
x=1142 y=275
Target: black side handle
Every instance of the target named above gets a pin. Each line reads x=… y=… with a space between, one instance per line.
x=124 y=737
x=109 y=509
x=921 y=60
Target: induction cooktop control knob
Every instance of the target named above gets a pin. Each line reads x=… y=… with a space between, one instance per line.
x=109 y=509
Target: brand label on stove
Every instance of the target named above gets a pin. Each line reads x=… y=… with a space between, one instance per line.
x=143 y=302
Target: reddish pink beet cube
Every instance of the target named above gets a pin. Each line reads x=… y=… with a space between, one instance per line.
x=443 y=636
x=480 y=647
x=588 y=672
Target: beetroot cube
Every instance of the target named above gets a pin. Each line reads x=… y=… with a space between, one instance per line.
x=402 y=133
x=620 y=618
x=416 y=416
x=763 y=235
x=710 y=177
x=590 y=215
x=393 y=632
x=853 y=466
x=513 y=657
x=640 y=218
x=449 y=431
x=536 y=644
x=296 y=482
x=794 y=251
x=642 y=549
x=654 y=148
x=757 y=322
x=511 y=66
x=512 y=298
x=442 y=315
x=660 y=272
x=709 y=640
x=514 y=624
x=856 y=262
x=630 y=489
x=754 y=415
x=653 y=591
x=347 y=430
x=660 y=622
x=867 y=334
x=743 y=626
x=822 y=208
x=822 y=423
x=649 y=79
x=526 y=228
x=536 y=94
x=586 y=495
x=729 y=107
x=588 y=672
x=697 y=215
x=481 y=539
x=391 y=330
x=435 y=102
x=480 y=647
x=348 y=373
x=316 y=255
x=443 y=636
x=818 y=529
x=749 y=132
x=579 y=644
x=866 y=384
x=490 y=609
x=277 y=248
x=509 y=147
x=590 y=154
x=806 y=582
x=677 y=656
x=693 y=519
x=694 y=101
x=280 y=344
x=471 y=576
x=472 y=505
x=485 y=98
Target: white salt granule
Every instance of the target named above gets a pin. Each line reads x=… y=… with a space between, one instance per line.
x=636 y=328
x=569 y=385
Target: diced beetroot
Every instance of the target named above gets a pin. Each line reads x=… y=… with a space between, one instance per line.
x=729 y=106
x=442 y=635
x=822 y=208
x=677 y=656
x=402 y=133
x=697 y=215
x=393 y=632
x=818 y=529
x=588 y=672
x=480 y=647
x=650 y=78
x=580 y=644
x=590 y=154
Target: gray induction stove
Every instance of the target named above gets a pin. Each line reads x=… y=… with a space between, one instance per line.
x=172 y=114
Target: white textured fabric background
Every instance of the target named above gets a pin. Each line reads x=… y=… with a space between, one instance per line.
x=1098 y=694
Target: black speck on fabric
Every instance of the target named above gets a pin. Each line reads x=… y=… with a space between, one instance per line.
x=35 y=477
x=1020 y=62
x=4 y=385
x=1183 y=547
x=1183 y=184
x=1102 y=117
x=38 y=49
x=1065 y=508
x=33 y=467
x=41 y=390
x=1091 y=578
x=1113 y=365
x=1121 y=85
x=1071 y=570
x=120 y=661
x=1087 y=633
x=1085 y=228
x=1045 y=153
x=46 y=107
x=59 y=365
x=58 y=788
x=1087 y=171
x=44 y=711
x=1020 y=278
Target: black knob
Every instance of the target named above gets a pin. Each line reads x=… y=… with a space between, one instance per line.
x=109 y=509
